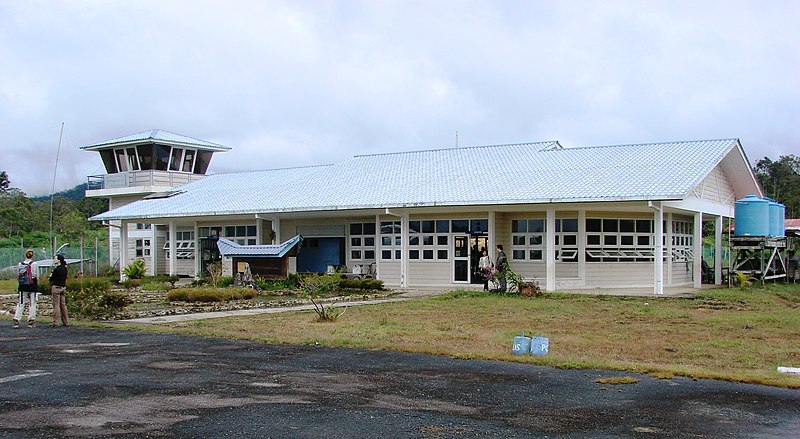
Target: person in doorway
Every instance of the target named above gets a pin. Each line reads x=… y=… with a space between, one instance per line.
x=27 y=290
x=58 y=286
x=485 y=267
x=501 y=265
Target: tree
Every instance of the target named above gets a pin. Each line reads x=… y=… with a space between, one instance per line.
x=4 y=181
x=780 y=181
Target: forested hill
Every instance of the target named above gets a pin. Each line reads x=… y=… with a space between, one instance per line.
x=76 y=193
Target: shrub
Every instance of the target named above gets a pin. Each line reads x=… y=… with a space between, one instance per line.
x=90 y=298
x=361 y=284
x=89 y=283
x=156 y=286
x=214 y=273
x=225 y=281
x=135 y=270
x=161 y=278
x=209 y=294
x=131 y=283
x=314 y=286
x=290 y=283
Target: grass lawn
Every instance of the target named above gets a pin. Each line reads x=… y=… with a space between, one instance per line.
x=728 y=334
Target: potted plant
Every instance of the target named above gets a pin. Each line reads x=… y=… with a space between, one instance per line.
x=524 y=287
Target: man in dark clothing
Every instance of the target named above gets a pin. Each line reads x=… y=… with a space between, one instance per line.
x=58 y=285
x=501 y=265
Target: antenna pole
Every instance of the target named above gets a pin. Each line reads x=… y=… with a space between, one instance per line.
x=456 y=138
x=53 y=192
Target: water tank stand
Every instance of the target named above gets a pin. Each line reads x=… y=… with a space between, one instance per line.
x=759 y=256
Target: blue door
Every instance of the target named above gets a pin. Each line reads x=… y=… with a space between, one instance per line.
x=317 y=253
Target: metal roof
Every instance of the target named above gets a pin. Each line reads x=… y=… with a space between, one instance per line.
x=229 y=248
x=502 y=174
x=156 y=135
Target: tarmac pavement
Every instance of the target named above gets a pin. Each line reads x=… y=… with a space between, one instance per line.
x=86 y=382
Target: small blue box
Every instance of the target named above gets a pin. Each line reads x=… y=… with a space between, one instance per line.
x=522 y=345
x=540 y=346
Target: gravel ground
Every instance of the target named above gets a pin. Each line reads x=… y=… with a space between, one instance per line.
x=83 y=382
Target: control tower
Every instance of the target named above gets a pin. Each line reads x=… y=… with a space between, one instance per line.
x=139 y=165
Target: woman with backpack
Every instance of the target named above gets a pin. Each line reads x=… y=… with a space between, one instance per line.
x=58 y=284
x=28 y=271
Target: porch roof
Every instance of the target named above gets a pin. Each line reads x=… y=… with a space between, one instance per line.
x=229 y=248
x=526 y=173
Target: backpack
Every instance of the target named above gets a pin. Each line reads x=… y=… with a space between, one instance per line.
x=25 y=276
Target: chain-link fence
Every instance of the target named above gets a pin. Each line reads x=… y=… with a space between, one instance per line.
x=95 y=258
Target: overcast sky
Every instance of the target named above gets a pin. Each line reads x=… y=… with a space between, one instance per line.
x=307 y=82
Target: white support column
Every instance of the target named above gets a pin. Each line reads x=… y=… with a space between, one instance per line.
x=404 y=280
x=697 y=249
x=582 y=246
x=173 y=260
x=378 y=247
x=492 y=236
x=123 y=247
x=259 y=228
x=551 y=249
x=669 y=232
x=197 y=267
x=718 y=250
x=153 y=251
x=658 y=260
x=276 y=226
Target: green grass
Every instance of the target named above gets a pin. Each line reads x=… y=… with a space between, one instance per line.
x=728 y=334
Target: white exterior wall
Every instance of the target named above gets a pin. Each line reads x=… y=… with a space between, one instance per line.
x=619 y=274
x=389 y=273
x=430 y=272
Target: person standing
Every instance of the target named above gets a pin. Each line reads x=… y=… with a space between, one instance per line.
x=58 y=286
x=28 y=272
x=485 y=267
x=501 y=265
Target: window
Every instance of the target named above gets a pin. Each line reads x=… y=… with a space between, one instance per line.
x=566 y=240
x=527 y=239
x=619 y=240
x=243 y=235
x=109 y=161
x=184 y=245
x=175 y=161
x=390 y=240
x=362 y=241
x=207 y=232
x=140 y=226
x=682 y=241
x=142 y=248
x=428 y=239
x=202 y=161
x=188 y=161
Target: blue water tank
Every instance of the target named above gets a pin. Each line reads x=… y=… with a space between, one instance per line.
x=751 y=214
x=777 y=211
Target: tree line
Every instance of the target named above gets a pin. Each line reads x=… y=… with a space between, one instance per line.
x=780 y=180
x=25 y=221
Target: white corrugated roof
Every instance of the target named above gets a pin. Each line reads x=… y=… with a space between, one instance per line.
x=503 y=174
x=157 y=135
x=229 y=248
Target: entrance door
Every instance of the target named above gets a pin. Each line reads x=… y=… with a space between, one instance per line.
x=479 y=243
x=461 y=259
x=209 y=253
